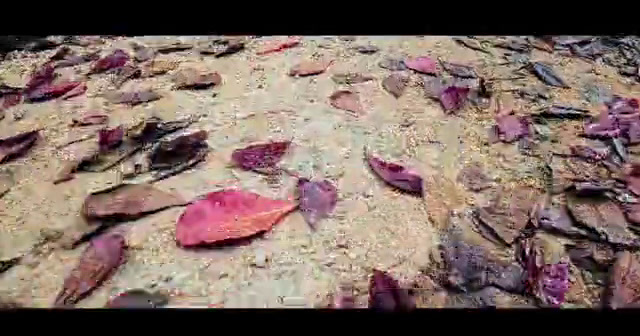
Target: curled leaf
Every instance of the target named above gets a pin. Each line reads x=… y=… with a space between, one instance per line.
x=278 y=45
x=453 y=98
x=103 y=256
x=307 y=68
x=346 y=100
x=396 y=175
x=386 y=294
x=190 y=78
x=317 y=199
x=138 y=298
x=260 y=157
x=228 y=215
x=546 y=74
x=17 y=145
x=424 y=65
x=395 y=84
x=114 y=60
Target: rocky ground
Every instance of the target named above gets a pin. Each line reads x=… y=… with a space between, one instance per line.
x=373 y=225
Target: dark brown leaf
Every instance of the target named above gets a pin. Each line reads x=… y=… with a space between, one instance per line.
x=396 y=175
x=351 y=78
x=132 y=97
x=262 y=158
x=17 y=145
x=473 y=178
x=317 y=199
x=89 y=119
x=604 y=218
x=346 y=100
x=386 y=294
x=546 y=74
x=190 y=78
x=138 y=298
x=395 y=84
x=231 y=46
x=308 y=68
x=105 y=254
x=175 y=155
x=459 y=70
x=564 y=112
x=590 y=256
x=624 y=283
x=513 y=43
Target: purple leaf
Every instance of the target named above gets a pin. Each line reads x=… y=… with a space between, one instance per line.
x=396 y=175
x=317 y=199
x=385 y=293
x=553 y=283
x=114 y=60
x=109 y=138
x=511 y=128
x=453 y=98
x=423 y=64
x=261 y=157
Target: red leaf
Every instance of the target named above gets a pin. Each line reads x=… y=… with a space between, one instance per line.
x=76 y=91
x=229 y=215
x=50 y=91
x=10 y=100
x=453 y=98
x=273 y=46
x=346 y=100
x=105 y=254
x=89 y=119
x=317 y=199
x=261 y=157
x=423 y=64
x=114 y=60
x=17 y=145
x=109 y=138
x=308 y=68
x=396 y=175
x=42 y=76
x=385 y=293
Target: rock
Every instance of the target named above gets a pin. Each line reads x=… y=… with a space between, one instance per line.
x=624 y=282
x=259 y=259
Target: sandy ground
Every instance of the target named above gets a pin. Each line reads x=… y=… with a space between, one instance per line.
x=373 y=225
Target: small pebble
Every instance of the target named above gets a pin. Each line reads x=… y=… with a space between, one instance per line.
x=294 y=301
x=260 y=259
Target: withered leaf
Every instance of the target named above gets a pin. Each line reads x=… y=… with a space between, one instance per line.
x=42 y=76
x=74 y=155
x=473 y=177
x=459 y=70
x=50 y=91
x=317 y=199
x=546 y=74
x=386 y=294
x=190 y=78
x=173 y=47
x=471 y=44
x=279 y=45
x=393 y=64
x=554 y=218
x=231 y=46
x=593 y=257
x=125 y=73
x=127 y=202
x=351 y=78
x=453 y=98
x=346 y=100
x=604 y=218
x=262 y=158
x=176 y=155
x=138 y=298
x=624 y=283
x=395 y=84
x=103 y=256
x=514 y=43
x=89 y=119
x=423 y=64
x=396 y=175
x=366 y=49
x=114 y=60
x=229 y=215
x=10 y=100
x=142 y=53
x=110 y=138
x=308 y=68
x=564 y=112
x=157 y=67
x=17 y=145
x=132 y=97
x=76 y=91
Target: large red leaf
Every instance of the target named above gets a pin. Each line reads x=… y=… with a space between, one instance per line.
x=114 y=60
x=50 y=91
x=96 y=264
x=422 y=64
x=227 y=215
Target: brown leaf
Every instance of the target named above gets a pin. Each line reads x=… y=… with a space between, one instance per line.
x=279 y=45
x=73 y=156
x=142 y=53
x=396 y=175
x=190 y=78
x=175 y=155
x=89 y=119
x=132 y=97
x=307 y=68
x=395 y=84
x=173 y=47
x=76 y=91
x=157 y=67
x=624 y=283
x=346 y=100
x=555 y=218
x=228 y=47
x=229 y=215
x=105 y=254
x=351 y=78
x=17 y=145
x=128 y=201
x=138 y=298
x=126 y=73
x=473 y=178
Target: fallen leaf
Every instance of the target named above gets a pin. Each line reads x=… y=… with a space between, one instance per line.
x=7 y=264
x=127 y=202
x=142 y=53
x=62 y=53
x=114 y=60
x=459 y=70
x=423 y=65
x=511 y=128
x=109 y=138
x=10 y=100
x=132 y=97
x=76 y=91
x=395 y=84
x=624 y=283
x=51 y=91
x=175 y=155
x=546 y=74
x=89 y=119
x=260 y=157
x=547 y=269
x=473 y=178
x=138 y=298
x=228 y=215
x=307 y=68
x=278 y=45
x=589 y=153
x=564 y=112
x=514 y=43
x=386 y=294
x=554 y=218
x=8 y=89
x=471 y=44
x=42 y=76
x=173 y=47
x=396 y=175
x=73 y=156
x=366 y=49
x=157 y=67
x=453 y=98
x=317 y=199
x=346 y=100
x=190 y=78
x=351 y=78
x=392 y=64
x=104 y=255
x=17 y=145
x=434 y=86
x=125 y=73
x=230 y=47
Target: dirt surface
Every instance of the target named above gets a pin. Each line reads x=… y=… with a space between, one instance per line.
x=373 y=225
